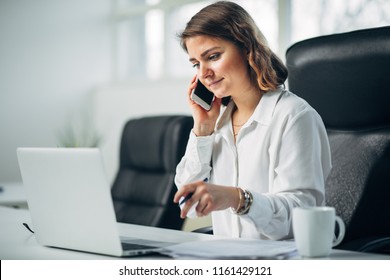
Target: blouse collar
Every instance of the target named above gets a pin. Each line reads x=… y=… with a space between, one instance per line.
x=263 y=113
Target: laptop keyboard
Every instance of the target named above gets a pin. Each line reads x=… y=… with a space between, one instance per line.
x=129 y=244
x=133 y=246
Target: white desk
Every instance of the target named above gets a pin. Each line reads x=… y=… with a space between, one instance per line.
x=16 y=242
x=13 y=195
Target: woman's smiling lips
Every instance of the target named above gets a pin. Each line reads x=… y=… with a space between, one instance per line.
x=214 y=83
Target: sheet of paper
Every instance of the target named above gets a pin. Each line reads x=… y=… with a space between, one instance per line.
x=233 y=249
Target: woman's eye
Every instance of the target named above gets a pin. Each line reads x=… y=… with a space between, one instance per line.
x=214 y=56
x=195 y=65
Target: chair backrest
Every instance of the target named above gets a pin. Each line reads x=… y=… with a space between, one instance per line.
x=143 y=190
x=345 y=77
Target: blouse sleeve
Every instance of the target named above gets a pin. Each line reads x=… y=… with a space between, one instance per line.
x=195 y=164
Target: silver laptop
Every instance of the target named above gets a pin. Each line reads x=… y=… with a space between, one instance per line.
x=70 y=203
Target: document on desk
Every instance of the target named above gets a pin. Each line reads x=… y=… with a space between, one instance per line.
x=232 y=249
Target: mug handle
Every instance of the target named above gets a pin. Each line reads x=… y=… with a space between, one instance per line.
x=337 y=239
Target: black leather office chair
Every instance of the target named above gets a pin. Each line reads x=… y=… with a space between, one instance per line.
x=151 y=148
x=345 y=77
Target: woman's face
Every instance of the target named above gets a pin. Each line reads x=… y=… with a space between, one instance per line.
x=221 y=66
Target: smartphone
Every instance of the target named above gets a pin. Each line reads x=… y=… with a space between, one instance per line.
x=202 y=96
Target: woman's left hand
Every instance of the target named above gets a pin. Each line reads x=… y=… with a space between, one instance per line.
x=204 y=121
x=209 y=197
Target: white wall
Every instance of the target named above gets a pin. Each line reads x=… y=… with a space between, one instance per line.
x=56 y=67
x=53 y=54
x=113 y=105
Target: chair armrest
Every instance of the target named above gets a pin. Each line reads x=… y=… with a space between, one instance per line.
x=373 y=244
x=377 y=245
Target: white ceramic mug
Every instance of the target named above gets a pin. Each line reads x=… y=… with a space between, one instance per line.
x=314 y=230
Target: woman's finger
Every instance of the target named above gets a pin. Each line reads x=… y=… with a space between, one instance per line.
x=183 y=192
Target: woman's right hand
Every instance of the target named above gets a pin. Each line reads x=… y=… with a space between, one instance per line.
x=204 y=121
x=207 y=197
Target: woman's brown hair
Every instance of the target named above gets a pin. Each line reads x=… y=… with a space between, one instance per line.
x=231 y=22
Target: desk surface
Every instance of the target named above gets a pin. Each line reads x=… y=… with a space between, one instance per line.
x=12 y=194
x=18 y=243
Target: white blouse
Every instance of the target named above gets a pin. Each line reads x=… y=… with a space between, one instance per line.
x=281 y=156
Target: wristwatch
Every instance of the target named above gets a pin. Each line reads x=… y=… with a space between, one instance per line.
x=245 y=202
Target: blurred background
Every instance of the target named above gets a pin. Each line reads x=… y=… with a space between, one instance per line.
x=72 y=72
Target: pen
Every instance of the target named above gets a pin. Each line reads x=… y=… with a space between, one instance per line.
x=188 y=196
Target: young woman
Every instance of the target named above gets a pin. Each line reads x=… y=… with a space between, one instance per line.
x=250 y=162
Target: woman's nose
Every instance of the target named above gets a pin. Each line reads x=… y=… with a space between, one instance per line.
x=204 y=71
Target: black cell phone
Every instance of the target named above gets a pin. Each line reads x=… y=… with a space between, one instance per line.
x=202 y=96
